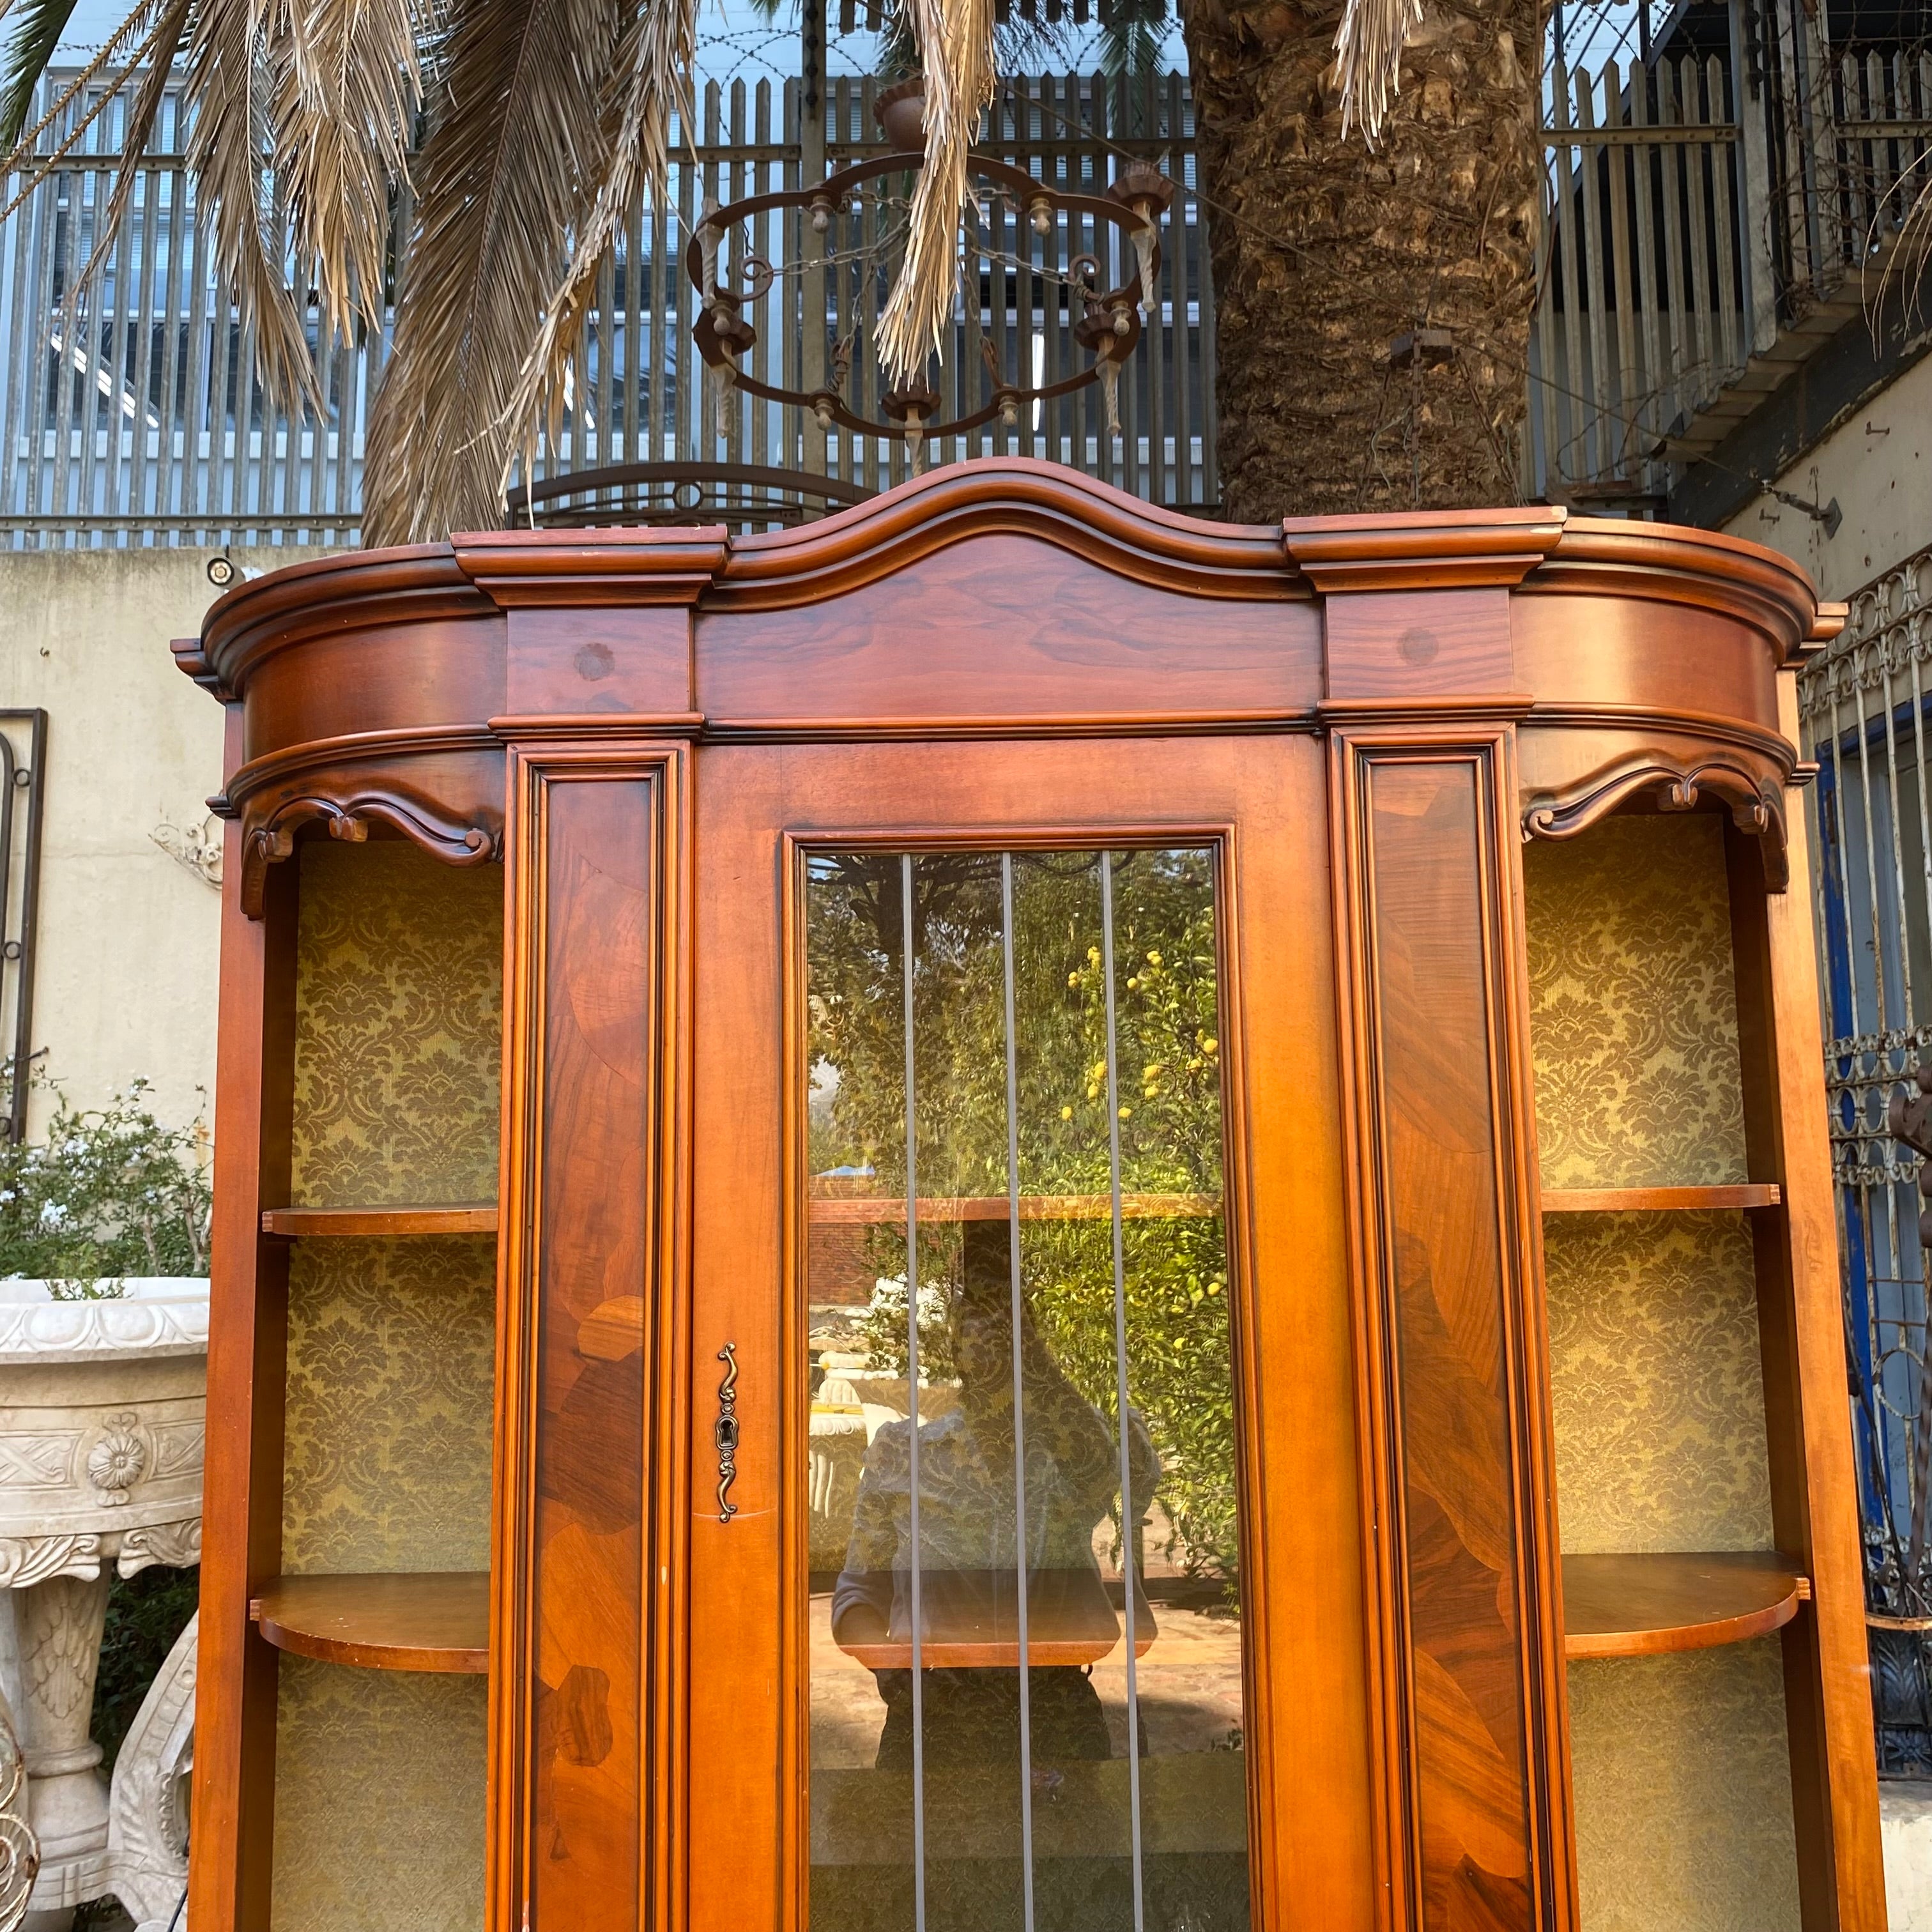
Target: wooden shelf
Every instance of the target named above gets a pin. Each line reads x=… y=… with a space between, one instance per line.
x=469 y=1217
x=1649 y=1200
x=1644 y=1605
x=434 y=1620
x=849 y=1210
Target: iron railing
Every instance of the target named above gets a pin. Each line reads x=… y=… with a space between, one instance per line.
x=140 y=422
x=23 y=767
x=1865 y=702
x=1712 y=211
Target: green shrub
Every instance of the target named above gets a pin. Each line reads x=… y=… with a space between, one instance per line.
x=109 y=1192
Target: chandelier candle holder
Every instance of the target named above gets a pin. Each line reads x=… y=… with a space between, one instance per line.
x=1107 y=327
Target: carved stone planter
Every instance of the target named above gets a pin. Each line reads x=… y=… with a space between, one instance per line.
x=102 y=1416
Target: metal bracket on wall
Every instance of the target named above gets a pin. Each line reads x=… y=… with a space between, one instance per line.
x=23 y=754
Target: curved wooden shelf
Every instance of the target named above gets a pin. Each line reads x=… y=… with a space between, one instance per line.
x=468 y=1217
x=1650 y=1200
x=1644 y=1605
x=434 y=1620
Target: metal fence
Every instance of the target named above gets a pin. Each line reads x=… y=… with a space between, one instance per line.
x=140 y=420
x=1695 y=228
x=1864 y=702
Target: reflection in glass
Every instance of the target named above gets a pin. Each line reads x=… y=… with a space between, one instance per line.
x=1025 y=1665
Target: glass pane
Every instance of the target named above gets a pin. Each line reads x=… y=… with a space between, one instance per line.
x=1025 y=1621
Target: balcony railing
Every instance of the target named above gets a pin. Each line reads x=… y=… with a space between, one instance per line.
x=1712 y=214
x=142 y=424
x=1713 y=209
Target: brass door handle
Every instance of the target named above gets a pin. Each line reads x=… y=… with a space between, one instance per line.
x=724 y=1432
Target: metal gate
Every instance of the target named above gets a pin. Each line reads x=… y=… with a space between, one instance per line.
x=1863 y=705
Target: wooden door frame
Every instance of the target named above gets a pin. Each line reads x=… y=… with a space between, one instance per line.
x=763 y=910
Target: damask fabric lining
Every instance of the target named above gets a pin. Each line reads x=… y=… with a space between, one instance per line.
x=1683 y=1791
x=358 y=1753
x=1633 y=1021
x=399 y=1015
x=379 y=1774
x=1681 y=1777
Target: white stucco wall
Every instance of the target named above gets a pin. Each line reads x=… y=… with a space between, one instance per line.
x=1878 y=464
x=125 y=986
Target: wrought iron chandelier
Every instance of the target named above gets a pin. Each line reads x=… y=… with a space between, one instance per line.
x=1108 y=326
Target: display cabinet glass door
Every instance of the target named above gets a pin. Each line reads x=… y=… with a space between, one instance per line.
x=1018 y=1255
x=1025 y=1682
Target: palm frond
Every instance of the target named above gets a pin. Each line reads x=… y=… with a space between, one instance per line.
x=230 y=79
x=955 y=45
x=1132 y=37
x=346 y=103
x=1368 y=59
x=34 y=37
x=511 y=168
x=653 y=66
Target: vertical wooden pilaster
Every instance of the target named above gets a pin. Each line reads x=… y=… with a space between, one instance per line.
x=1463 y=1560
x=1800 y=1327
x=234 y=1802
x=586 y=1555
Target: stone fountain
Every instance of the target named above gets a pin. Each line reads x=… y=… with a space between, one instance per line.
x=103 y=1411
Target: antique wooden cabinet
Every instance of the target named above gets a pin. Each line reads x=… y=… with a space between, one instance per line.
x=1013 y=1214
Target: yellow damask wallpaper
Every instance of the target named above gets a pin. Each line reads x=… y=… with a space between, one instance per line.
x=399 y=1001
x=1655 y=1383
x=1632 y=1013
x=1683 y=1793
x=379 y=1800
x=391 y=1345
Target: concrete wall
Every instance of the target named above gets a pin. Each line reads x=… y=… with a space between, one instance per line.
x=1878 y=464
x=125 y=986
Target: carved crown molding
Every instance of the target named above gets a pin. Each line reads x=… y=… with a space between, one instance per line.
x=325 y=598
x=1704 y=569
x=616 y=568
x=1015 y=495
x=1448 y=550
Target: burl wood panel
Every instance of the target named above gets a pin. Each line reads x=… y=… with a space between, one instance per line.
x=581 y=1204
x=1476 y=1818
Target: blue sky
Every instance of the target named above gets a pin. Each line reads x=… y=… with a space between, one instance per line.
x=737 y=40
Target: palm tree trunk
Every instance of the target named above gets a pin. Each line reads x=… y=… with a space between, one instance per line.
x=1325 y=255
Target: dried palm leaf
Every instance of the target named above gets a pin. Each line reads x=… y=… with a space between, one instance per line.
x=653 y=68
x=1368 y=59
x=346 y=103
x=231 y=79
x=512 y=166
x=955 y=45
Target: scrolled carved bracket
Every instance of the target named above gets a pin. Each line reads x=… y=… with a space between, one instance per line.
x=446 y=801
x=1755 y=797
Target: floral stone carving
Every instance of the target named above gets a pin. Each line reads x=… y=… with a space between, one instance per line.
x=104 y=1407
